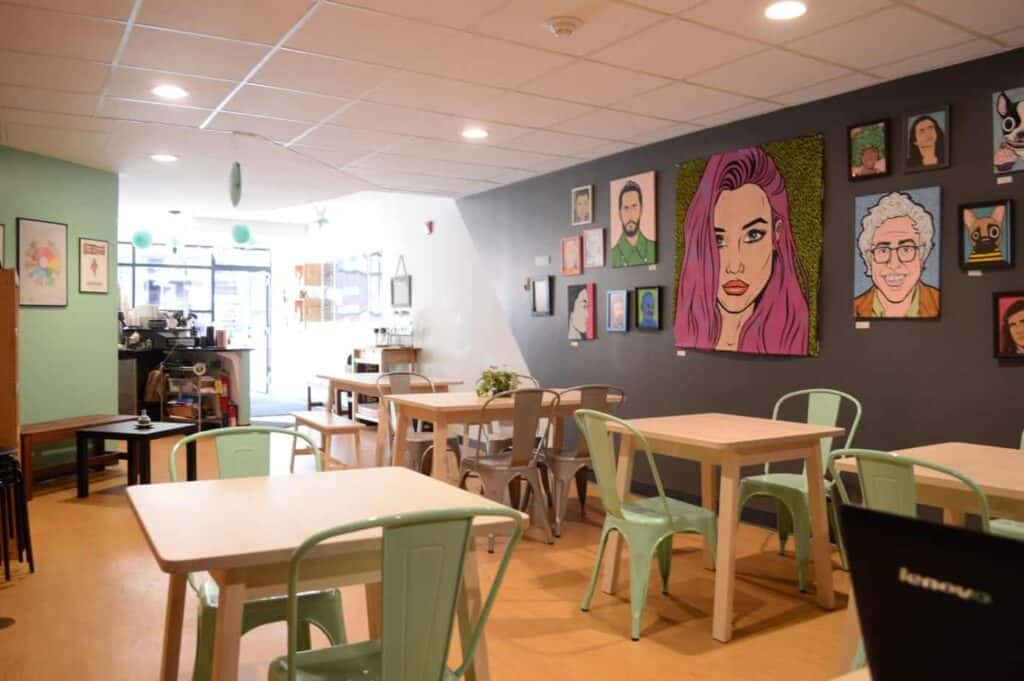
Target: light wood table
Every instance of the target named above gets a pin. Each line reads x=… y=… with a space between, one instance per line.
x=251 y=527
x=731 y=442
x=859 y=675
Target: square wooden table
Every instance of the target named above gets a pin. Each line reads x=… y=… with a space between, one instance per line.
x=251 y=526
x=731 y=442
x=138 y=440
x=359 y=384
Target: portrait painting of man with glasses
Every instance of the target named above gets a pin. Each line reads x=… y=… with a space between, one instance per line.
x=898 y=244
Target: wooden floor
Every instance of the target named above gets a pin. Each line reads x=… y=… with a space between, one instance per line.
x=94 y=607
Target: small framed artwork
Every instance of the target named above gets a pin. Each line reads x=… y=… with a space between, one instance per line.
x=583 y=205
x=648 y=308
x=593 y=247
x=986 y=235
x=42 y=263
x=927 y=134
x=618 y=311
x=1008 y=324
x=93 y=266
x=868 y=146
x=581 y=299
x=572 y=255
x=1 y=247
x=1008 y=131
x=401 y=291
x=540 y=296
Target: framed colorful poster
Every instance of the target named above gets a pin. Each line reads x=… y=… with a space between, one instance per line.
x=1008 y=131
x=986 y=235
x=43 y=263
x=927 y=135
x=582 y=205
x=540 y=296
x=868 y=150
x=1008 y=324
x=593 y=247
x=572 y=255
x=648 y=308
x=581 y=312
x=1 y=247
x=93 y=266
x=618 y=311
x=634 y=231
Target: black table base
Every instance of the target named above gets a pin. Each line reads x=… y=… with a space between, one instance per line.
x=139 y=451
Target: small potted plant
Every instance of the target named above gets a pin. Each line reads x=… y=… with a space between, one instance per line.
x=495 y=380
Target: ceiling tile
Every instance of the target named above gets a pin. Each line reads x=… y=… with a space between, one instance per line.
x=76 y=146
x=948 y=56
x=30 y=99
x=612 y=125
x=53 y=120
x=546 y=141
x=135 y=83
x=509 y=175
x=1012 y=38
x=668 y=6
x=457 y=13
x=739 y=113
x=338 y=138
x=481 y=154
x=169 y=51
x=107 y=9
x=742 y=17
x=677 y=49
x=52 y=73
x=593 y=83
x=271 y=128
x=336 y=157
x=432 y=93
x=429 y=166
x=603 y=23
x=830 y=88
x=517 y=108
x=677 y=130
x=488 y=61
x=403 y=121
x=681 y=102
x=768 y=73
x=609 y=148
x=991 y=16
x=896 y=33
x=363 y=35
x=324 y=75
x=277 y=103
x=255 y=20
x=153 y=113
x=422 y=183
x=24 y=29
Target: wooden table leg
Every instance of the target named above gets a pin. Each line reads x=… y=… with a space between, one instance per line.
x=328 y=442
x=373 y=609
x=954 y=517
x=439 y=468
x=81 y=459
x=725 y=559
x=709 y=500
x=623 y=483
x=821 y=548
x=172 y=627
x=331 y=396
x=190 y=460
x=399 y=439
x=470 y=601
x=228 y=635
x=383 y=432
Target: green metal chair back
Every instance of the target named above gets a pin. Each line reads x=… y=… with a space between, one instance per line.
x=422 y=561
x=594 y=426
x=887 y=481
x=823 y=406
x=242 y=452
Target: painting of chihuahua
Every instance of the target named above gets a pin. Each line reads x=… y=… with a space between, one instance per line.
x=985 y=235
x=1009 y=132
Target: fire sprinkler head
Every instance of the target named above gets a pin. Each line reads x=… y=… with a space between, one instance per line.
x=563 y=27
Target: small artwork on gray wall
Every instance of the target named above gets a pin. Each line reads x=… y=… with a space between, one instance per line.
x=869 y=149
x=583 y=205
x=1008 y=130
x=618 y=311
x=927 y=135
x=581 y=312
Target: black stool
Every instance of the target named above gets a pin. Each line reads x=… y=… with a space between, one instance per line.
x=13 y=512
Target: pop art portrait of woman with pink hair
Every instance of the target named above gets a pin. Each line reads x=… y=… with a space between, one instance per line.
x=742 y=286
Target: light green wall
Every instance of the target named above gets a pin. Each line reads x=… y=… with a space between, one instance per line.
x=68 y=355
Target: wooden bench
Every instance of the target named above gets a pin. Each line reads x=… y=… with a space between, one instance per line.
x=328 y=424
x=34 y=434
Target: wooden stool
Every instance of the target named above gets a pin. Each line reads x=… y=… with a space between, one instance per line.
x=327 y=424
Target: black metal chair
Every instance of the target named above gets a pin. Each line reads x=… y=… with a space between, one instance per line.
x=13 y=513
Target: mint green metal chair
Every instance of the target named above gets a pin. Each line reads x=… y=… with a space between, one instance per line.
x=790 y=489
x=245 y=453
x=887 y=484
x=646 y=525
x=1013 y=529
x=422 y=559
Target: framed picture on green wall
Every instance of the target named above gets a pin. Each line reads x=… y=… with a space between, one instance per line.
x=43 y=263
x=93 y=266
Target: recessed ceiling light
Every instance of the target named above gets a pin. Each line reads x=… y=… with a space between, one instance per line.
x=474 y=133
x=785 y=10
x=169 y=92
x=164 y=158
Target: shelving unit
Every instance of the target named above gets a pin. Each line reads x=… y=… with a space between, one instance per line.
x=195 y=398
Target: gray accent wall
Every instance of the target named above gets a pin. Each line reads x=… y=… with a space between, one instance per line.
x=919 y=381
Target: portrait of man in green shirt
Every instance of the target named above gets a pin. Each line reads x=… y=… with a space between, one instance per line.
x=633 y=247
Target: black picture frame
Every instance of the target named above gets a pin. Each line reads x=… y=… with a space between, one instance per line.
x=638 y=323
x=1007 y=225
x=401 y=291
x=947 y=133
x=81 y=265
x=997 y=325
x=887 y=140
x=536 y=285
x=25 y=285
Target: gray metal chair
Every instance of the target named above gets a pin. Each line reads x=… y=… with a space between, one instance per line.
x=419 y=445
x=499 y=434
x=518 y=462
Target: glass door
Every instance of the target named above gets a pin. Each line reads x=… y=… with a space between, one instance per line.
x=241 y=306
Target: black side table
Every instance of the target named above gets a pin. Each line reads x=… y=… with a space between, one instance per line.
x=138 y=440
